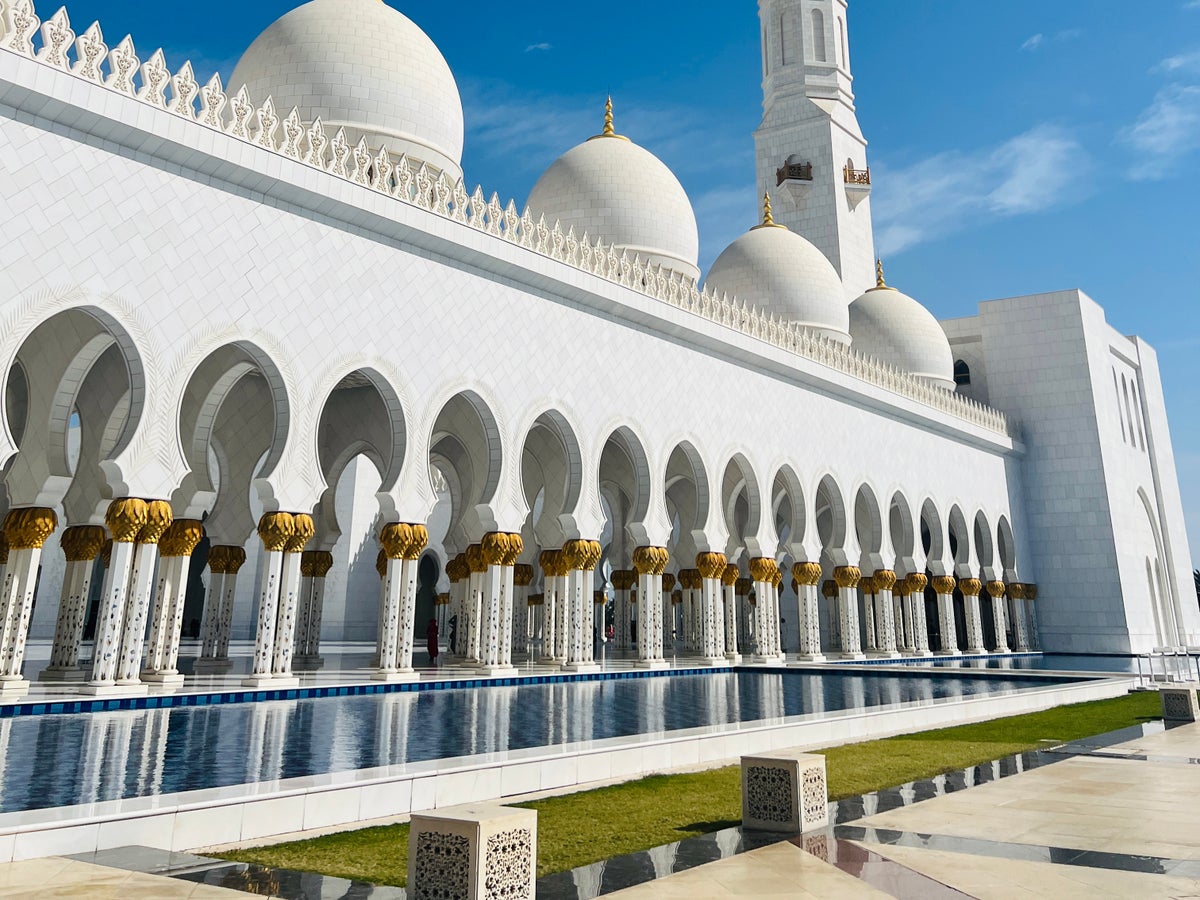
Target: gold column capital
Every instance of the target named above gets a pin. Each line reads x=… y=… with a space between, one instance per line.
x=944 y=584
x=83 y=543
x=730 y=576
x=395 y=539
x=476 y=563
x=1016 y=590
x=916 y=583
x=668 y=582
x=847 y=576
x=807 y=573
x=743 y=586
x=885 y=579
x=158 y=519
x=181 y=538
x=381 y=562
x=970 y=587
x=829 y=589
x=763 y=569
x=711 y=566
x=303 y=529
x=651 y=560
x=420 y=540
x=523 y=575
x=1031 y=591
x=275 y=530
x=125 y=518
x=995 y=589
x=218 y=559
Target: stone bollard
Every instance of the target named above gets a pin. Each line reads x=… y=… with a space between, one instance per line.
x=785 y=792
x=1179 y=703
x=472 y=852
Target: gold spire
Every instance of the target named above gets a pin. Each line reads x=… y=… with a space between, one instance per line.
x=768 y=220
x=609 y=131
x=880 y=284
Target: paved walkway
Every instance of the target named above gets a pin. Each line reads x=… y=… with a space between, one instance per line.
x=55 y=877
x=1119 y=822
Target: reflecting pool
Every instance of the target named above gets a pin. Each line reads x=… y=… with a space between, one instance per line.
x=62 y=760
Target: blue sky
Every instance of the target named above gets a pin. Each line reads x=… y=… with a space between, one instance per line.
x=1016 y=147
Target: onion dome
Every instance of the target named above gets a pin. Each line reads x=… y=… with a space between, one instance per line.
x=894 y=328
x=613 y=189
x=362 y=66
x=778 y=271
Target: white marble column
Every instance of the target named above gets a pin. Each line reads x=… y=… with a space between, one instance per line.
x=762 y=570
x=26 y=531
x=500 y=552
x=549 y=561
x=808 y=576
x=944 y=586
x=971 y=588
x=142 y=587
x=884 y=580
x=847 y=578
x=1031 y=595
x=1016 y=591
x=175 y=550
x=274 y=530
x=870 y=615
x=711 y=569
x=915 y=585
x=523 y=612
x=81 y=544
x=224 y=562
x=996 y=591
x=476 y=607
x=315 y=566
x=649 y=563
x=125 y=519
x=729 y=605
x=581 y=558
x=289 y=599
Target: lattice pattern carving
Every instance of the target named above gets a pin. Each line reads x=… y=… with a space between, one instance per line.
x=376 y=169
x=443 y=867
x=770 y=794
x=814 y=797
x=509 y=865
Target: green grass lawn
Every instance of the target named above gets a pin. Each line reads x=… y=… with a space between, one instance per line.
x=589 y=826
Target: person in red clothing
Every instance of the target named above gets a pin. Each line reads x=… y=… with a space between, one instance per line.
x=431 y=641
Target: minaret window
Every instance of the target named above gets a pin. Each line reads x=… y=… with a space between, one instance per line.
x=962 y=373
x=818 y=28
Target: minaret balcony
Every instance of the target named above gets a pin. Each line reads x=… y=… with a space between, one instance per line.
x=797 y=178
x=858 y=184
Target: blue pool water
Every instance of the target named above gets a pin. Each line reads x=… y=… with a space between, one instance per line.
x=64 y=760
x=1049 y=662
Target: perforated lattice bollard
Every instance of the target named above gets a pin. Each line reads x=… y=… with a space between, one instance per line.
x=473 y=852
x=785 y=792
x=1180 y=703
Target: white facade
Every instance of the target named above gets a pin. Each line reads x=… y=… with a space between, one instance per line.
x=250 y=315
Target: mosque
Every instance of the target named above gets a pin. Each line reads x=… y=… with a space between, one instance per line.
x=275 y=372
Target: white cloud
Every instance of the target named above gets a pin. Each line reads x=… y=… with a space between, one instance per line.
x=1166 y=131
x=1039 y=40
x=539 y=47
x=1184 y=63
x=1030 y=173
x=1034 y=42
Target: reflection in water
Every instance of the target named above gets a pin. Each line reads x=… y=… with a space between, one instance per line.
x=48 y=761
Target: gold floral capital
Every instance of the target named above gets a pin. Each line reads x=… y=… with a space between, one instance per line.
x=847 y=576
x=158 y=519
x=476 y=563
x=218 y=560
x=668 y=582
x=763 y=569
x=237 y=559
x=995 y=589
x=1016 y=590
x=730 y=576
x=28 y=528
x=944 y=584
x=970 y=587
x=829 y=590
x=181 y=538
x=711 y=565
x=885 y=579
x=420 y=540
x=83 y=543
x=395 y=539
x=807 y=573
x=274 y=530
x=303 y=529
x=916 y=583
x=125 y=518
x=381 y=562
x=523 y=575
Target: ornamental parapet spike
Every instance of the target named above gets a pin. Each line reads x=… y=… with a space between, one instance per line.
x=829 y=590
x=885 y=579
x=1016 y=590
x=82 y=543
x=730 y=576
x=303 y=530
x=763 y=569
x=970 y=587
x=807 y=573
x=847 y=576
x=125 y=518
x=218 y=560
x=668 y=582
x=523 y=575
x=995 y=589
x=158 y=519
x=1031 y=591
x=420 y=540
x=106 y=553
x=711 y=566
x=381 y=563
x=275 y=530
x=28 y=528
x=944 y=584
x=181 y=538
x=395 y=539
x=743 y=587
x=476 y=563
x=916 y=583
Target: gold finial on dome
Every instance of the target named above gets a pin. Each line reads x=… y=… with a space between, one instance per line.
x=880 y=284
x=768 y=219
x=609 y=131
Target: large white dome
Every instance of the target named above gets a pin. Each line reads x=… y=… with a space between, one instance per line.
x=613 y=189
x=362 y=66
x=778 y=271
x=896 y=329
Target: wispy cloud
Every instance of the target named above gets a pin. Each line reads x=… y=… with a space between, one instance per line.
x=1030 y=173
x=1039 y=40
x=543 y=46
x=1181 y=64
x=1167 y=131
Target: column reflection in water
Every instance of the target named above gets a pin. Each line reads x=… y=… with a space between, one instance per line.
x=663 y=859
x=652 y=710
x=589 y=880
x=152 y=756
x=812 y=690
x=583 y=710
x=391 y=729
x=497 y=705
x=267 y=730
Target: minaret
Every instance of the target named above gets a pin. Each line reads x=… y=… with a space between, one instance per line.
x=811 y=154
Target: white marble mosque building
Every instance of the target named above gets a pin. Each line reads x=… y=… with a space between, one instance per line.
x=258 y=338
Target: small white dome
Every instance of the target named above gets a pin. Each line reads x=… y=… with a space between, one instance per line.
x=362 y=66
x=894 y=328
x=778 y=271
x=613 y=189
